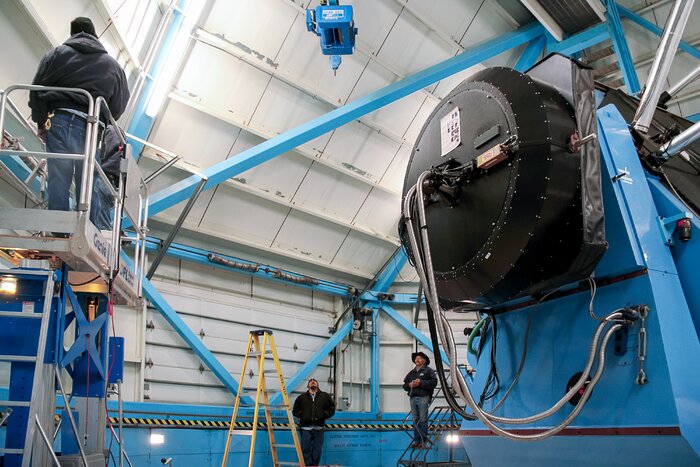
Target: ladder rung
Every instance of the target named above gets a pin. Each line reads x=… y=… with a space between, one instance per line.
x=11 y=451
x=273 y=405
x=254 y=390
x=257 y=354
x=17 y=358
x=291 y=446
x=14 y=403
x=270 y=371
x=288 y=463
x=19 y=314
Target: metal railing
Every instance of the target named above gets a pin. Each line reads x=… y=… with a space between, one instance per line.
x=441 y=421
x=130 y=199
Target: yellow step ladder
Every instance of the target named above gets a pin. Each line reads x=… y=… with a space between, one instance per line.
x=261 y=352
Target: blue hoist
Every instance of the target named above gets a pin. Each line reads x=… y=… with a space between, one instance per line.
x=335 y=26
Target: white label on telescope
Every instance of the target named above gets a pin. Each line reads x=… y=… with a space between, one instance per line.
x=450 y=132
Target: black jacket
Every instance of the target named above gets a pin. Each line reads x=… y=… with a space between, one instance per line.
x=312 y=411
x=80 y=62
x=428 y=381
x=112 y=151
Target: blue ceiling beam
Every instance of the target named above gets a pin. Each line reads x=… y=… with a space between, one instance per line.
x=624 y=57
x=384 y=280
x=314 y=361
x=392 y=269
x=375 y=363
x=580 y=41
x=411 y=329
x=531 y=54
x=694 y=117
x=293 y=138
x=649 y=26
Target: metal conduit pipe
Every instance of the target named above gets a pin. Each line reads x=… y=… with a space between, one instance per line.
x=680 y=142
x=679 y=86
x=552 y=431
x=444 y=329
x=662 y=64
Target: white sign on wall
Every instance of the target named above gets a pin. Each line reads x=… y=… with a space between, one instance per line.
x=450 y=132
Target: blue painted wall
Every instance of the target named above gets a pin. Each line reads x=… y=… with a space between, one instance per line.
x=204 y=447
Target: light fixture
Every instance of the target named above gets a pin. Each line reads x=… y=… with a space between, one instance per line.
x=157 y=438
x=452 y=438
x=8 y=285
x=175 y=54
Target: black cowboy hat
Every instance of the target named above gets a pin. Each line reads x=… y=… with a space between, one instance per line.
x=416 y=354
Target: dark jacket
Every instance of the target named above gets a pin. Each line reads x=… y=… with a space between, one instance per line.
x=312 y=411
x=428 y=381
x=80 y=62
x=112 y=151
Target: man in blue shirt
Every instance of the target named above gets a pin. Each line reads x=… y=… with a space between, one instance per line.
x=420 y=383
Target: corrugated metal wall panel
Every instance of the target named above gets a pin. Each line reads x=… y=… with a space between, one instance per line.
x=359 y=253
x=199 y=138
x=176 y=373
x=381 y=211
x=452 y=16
x=280 y=176
x=396 y=116
x=244 y=215
x=396 y=171
x=236 y=21
x=573 y=15
x=331 y=192
x=375 y=20
x=411 y=46
x=235 y=87
x=362 y=148
x=309 y=236
x=283 y=107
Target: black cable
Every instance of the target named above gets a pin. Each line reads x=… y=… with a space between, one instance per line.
x=520 y=366
x=493 y=382
x=449 y=397
x=86 y=282
x=111 y=454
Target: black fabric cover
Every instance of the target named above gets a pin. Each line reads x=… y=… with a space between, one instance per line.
x=575 y=82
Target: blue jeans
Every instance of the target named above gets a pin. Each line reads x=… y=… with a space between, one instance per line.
x=67 y=136
x=419 y=412
x=311 y=446
x=103 y=220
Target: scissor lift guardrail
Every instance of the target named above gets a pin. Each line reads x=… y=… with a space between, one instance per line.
x=85 y=249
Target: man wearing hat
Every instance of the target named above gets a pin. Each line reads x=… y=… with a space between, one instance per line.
x=61 y=117
x=420 y=383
